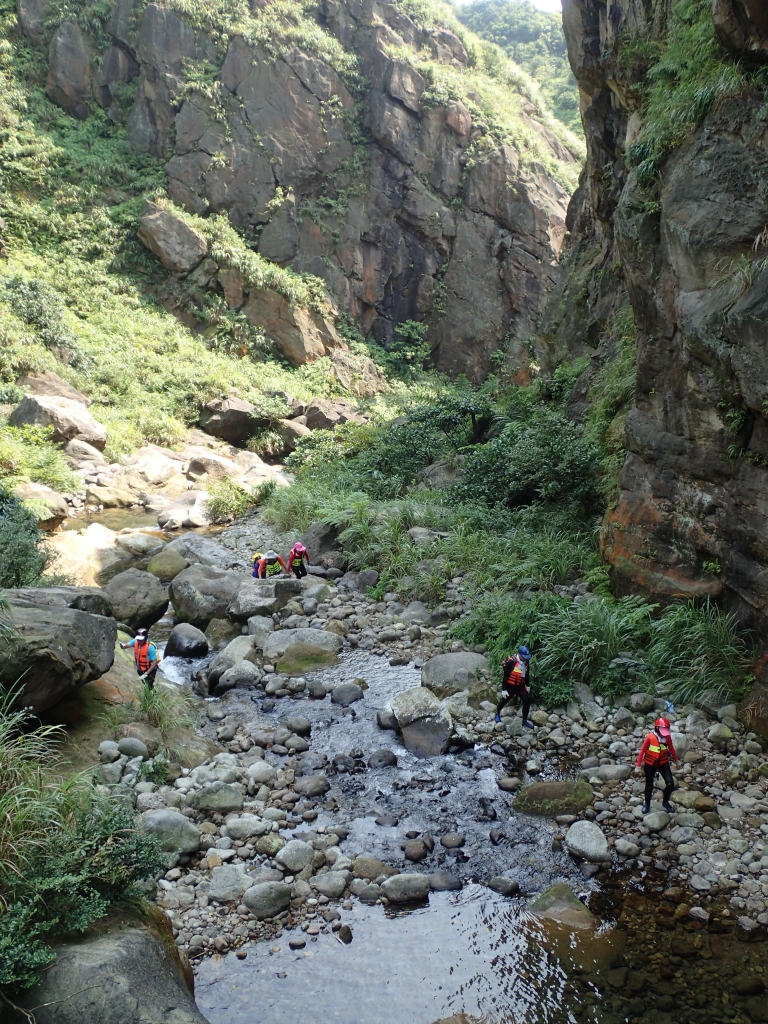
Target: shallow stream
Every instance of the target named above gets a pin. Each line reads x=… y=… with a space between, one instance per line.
x=470 y=952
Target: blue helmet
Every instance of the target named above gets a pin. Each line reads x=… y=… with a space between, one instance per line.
x=524 y=653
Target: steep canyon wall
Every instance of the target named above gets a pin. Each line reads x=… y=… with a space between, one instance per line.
x=685 y=250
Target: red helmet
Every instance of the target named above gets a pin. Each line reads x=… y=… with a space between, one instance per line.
x=662 y=726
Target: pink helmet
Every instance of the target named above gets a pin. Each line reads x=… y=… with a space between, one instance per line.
x=298 y=546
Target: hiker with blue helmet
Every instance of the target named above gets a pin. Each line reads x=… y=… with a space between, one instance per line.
x=517 y=683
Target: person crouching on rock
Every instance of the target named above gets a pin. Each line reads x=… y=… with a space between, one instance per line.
x=271 y=565
x=654 y=758
x=146 y=657
x=517 y=683
x=298 y=560
x=257 y=557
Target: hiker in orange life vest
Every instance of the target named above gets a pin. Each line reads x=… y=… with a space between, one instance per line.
x=271 y=565
x=146 y=657
x=654 y=757
x=517 y=683
x=298 y=559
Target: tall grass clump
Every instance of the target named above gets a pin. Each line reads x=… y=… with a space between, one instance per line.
x=66 y=856
x=24 y=555
x=695 y=648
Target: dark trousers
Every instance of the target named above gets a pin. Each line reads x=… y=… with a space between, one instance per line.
x=150 y=679
x=650 y=776
x=299 y=571
x=509 y=693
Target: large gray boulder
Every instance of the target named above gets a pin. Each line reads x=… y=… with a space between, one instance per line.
x=425 y=725
x=201 y=593
x=177 y=245
x=128 y=974
x=231 y=419
x=190 y=510
x=56 y=508
x=199 y=550
x=279 y=642
x=586 y=840
x=406 y=888
x=69 y=419
x=175 y=833
x=217 y=796
x=186 y=641
x=446 y=674
x=242 y=648
x=327 y=413
x=263 y=597
x=295 y=856
x=267 y=899
x=228 y=882
x=138 y=598
x=84 y=599
x=57 y=649
x=331 y=884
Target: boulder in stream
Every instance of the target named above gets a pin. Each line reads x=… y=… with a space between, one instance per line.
x=552 y=798
x=406 y=888
x=267 y=899
x=425 y=725
x=446 y=674
x=186 y=641
x=586 y=840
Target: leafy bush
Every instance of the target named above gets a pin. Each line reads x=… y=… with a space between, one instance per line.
x=229 y=500
x=26 y=453
x=547 y=458
x=66 y=856
x=24 y=556
x=40 y=306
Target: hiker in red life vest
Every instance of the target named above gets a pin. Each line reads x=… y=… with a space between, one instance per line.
x=517 y=683
x=654 y=758
x=298 y=560
x=146 y=657
x=271 y=565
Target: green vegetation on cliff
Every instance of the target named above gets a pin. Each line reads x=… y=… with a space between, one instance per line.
x=535 y=41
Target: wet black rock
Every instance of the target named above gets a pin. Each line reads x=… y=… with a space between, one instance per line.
x=345 y=933
x=299 y=725
x=382 y=759
x=505 y=886
x=386 y=820
x=316 y=689
x=452 y=841
x=386 y=719
x=496 y=836
x=346 y=694
x=444 y=881
x=186 y=641
x=415 y=850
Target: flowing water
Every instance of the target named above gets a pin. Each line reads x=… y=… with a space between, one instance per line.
x=637 y=957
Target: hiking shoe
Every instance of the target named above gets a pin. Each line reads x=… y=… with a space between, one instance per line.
x=527 y=724
x=668 y=807
x=497 y=718
x=646 y=808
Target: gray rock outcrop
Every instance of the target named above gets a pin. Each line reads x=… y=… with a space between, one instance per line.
x=69 y=419
x=201 y=593
x=138 y=598
x=127 y=974
x=58 y=647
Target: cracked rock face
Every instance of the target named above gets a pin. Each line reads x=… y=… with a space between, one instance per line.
x=405 y=207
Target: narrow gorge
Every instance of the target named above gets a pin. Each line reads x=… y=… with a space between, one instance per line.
x=354 y=274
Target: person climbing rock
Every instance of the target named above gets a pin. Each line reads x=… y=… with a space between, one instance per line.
x=257 y=557
x=270 y=565
x=145 y=654
x=517 y=683
x=298 y=560
x=654 y=758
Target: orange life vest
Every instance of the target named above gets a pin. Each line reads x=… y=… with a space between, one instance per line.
x=657 y=752
x=141 y=654
x=518 y=674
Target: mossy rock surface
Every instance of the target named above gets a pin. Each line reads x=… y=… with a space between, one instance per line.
x=302 y=658
x=550 y=799
x=480 y=692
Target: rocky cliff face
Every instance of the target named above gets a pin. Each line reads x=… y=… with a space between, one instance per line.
x=691 y=518
x=357 y=149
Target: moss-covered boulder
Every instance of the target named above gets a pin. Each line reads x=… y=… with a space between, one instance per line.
x=550 y=799
x=302 y=658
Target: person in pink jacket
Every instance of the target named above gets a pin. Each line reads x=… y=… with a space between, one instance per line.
x=653 y=758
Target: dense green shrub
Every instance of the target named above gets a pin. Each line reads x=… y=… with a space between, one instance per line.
x=39 y=306
x=546 y=458
x=24 y=556
x=27 y=453
x=229 y=500
x=66 y=856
